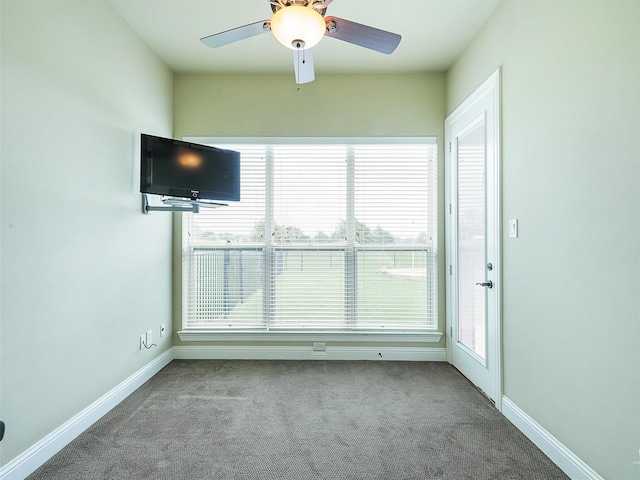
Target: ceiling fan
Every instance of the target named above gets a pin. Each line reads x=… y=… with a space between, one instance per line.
x=300 y=25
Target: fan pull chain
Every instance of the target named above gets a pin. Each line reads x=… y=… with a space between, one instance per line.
x=299 y=68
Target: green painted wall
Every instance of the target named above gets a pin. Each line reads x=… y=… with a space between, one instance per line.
x=83 y=272
x=571 y=170
x=331 y=106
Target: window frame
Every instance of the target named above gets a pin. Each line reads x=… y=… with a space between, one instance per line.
x=405 y=336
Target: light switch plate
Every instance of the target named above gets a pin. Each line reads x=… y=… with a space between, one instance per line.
x=513 y=228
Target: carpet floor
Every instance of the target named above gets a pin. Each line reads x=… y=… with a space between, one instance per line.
x=290 y=420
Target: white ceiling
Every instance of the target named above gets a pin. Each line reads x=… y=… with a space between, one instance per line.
x=434 y=33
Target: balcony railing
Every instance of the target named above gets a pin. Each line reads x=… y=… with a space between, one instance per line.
x=389 y=287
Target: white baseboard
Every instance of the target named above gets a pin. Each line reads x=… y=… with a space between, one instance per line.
x=227 y=352
x=35 y=456
x=564 y=458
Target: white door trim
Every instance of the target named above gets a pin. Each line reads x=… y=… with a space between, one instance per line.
x=491 y=87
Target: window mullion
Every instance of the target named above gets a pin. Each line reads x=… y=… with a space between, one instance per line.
x=269 y=279
x=350 y=271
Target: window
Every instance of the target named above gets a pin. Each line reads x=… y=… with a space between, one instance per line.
x=326 y=237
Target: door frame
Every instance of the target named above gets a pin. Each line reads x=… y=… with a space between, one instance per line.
x=492 y=87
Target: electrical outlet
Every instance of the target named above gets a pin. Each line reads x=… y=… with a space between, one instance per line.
x=149 y=341
x=319 y=347
x=142 y=340
x=163 y=330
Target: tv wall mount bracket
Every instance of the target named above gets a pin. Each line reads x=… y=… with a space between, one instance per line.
x=177 y=205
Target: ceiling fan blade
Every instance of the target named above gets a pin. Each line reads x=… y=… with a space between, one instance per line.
x=362 y=35
x=235 y=34
x=303 y=65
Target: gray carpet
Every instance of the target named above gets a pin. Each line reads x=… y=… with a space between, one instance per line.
x=302 y=420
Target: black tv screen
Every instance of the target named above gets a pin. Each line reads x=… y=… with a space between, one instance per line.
x=188 y=170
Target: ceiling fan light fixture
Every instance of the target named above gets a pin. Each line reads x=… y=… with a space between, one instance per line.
x=298 y=27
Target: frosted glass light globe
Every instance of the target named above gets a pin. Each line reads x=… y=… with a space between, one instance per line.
x=298 y=27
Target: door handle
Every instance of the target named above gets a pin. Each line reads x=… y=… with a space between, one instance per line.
x=488 y=283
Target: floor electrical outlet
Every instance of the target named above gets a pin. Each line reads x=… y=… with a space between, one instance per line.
x=319 y=347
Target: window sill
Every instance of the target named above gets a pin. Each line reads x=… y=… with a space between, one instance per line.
x=431 y=336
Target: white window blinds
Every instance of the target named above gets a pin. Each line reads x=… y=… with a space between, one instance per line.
x=326 y=237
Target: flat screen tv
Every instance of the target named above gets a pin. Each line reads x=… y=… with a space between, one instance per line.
x=188 y=170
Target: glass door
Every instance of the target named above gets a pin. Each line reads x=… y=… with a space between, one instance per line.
x=473 y=238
